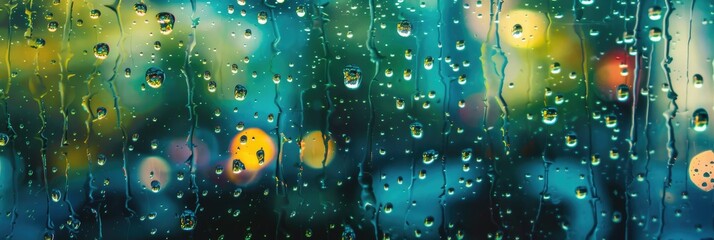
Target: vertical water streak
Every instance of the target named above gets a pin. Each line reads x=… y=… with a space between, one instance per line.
x=689 y=42
x=669 y=114
x=191 y=105
x=28 y=13
x=327 y=56
x=367 y=195
x=494 y=207
x=647 y=133
x=445 y=127
x=6 y=92
x=65 y=55
x=278 y=175
x=115 y=7
x=4 y=96
x=578 y=29
x=633 y=123
x=49 y=226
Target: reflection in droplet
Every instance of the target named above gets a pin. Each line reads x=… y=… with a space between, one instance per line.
x=155 y=77
x=101 y=50
x=352 y=76
x=517 y=31
x=700 y=120
x=404 y=28
x=416 y=130
x=623 y=93
x=550 y=115
x=166 y=22
x=187 y=220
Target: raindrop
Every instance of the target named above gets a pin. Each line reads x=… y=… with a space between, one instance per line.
x=655 y=13
x=404 y=28
x=154 y=77
x=262 y=17
x=429 y=156
x=95 y=14
x=623 y=93
x=700 y=120
x=240 y=92
x=260 y=155
x=101 y=50
x=166 y=22
x=698 y=80
x=101 y=113
x=416 y=130
x=352 y=76
x=550 y=115
x=4 y=139
x=155 y=186
x=517 y=31
x=140 y=9
x=655 y=34
x=187 y=220
x=56 y=195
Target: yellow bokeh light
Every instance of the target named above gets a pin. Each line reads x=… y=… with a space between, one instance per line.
x=533 y=26
x=246 y=150
x=312 y=150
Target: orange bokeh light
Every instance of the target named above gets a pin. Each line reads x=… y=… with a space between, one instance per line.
x=246 y=151
x=312 y=150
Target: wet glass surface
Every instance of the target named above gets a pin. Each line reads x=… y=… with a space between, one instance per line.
x=358 y=119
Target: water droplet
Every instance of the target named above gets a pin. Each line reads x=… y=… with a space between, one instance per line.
x=155 y=77
x=698 y=80
x=140 y=9
x=610 y=120
x=240 y=92
x=352 y=76
x=460 y=45
x=428 y=63
x=166 y=22
x=101 y=50
x=155 y=186
x=95 y=14
x=571 y=140
x=550 y=115
x=300 y=10
x=101 y=159
x=404 y=28
x=623 y=93
x=466 y=154
x=187 y=220
x=101 y=113
x=55 y=195
x=262 y=17
x=260 y=155
x=700 y=120
x=517 y=31
x=429 y=156
x=416 y=130
x=655 y=13
x=655 y=34
x=52 y=26
x=555 y=68
x=4 y=139
x=429 y=221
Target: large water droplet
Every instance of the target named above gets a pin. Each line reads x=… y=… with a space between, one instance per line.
x=155 y=77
